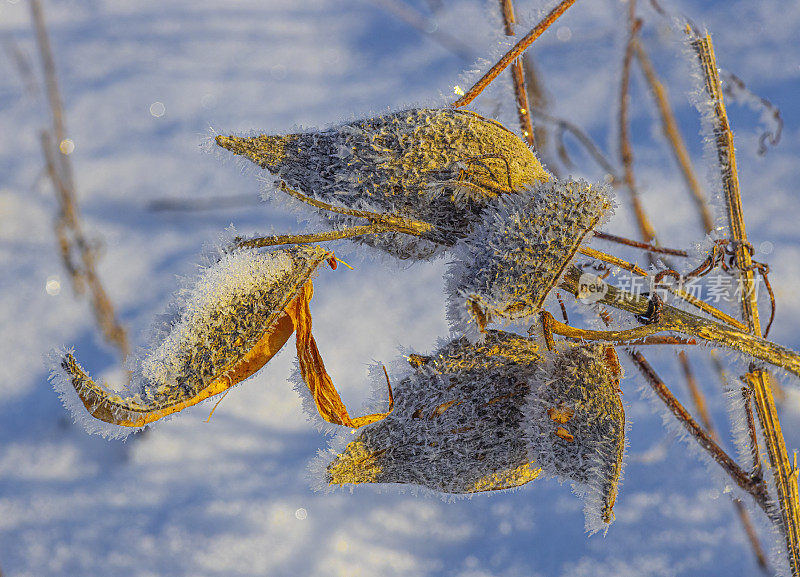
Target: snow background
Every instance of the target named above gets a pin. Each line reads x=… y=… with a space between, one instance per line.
x=231 y=497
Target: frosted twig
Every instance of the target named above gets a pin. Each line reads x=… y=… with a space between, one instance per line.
x=678 y=292
x=783 y=472
x=513 y=54
x=671 y=132
x=518 y=77
x=276 y=240
x=394 y=223
x=682 y=322
x=757 y=489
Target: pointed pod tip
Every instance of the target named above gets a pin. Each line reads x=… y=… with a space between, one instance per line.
x=266 y=151
x=226 y=141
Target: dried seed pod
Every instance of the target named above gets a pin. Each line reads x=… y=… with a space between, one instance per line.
x=475 y=418
x=575 y=424
x=456 y=425
x=516 y=255
x=438 y=166
x=238 y=315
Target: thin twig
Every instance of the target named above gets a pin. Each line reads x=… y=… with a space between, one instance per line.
x=747 y=395
x=513 y=54
x=276 y=240
x=537 y=99
x=757 y=489
x=518 y=77
x=784 y=474
x=671 y=132
x=642 y=245
x=625 y=150
x=81 y=266
x=84 y=273
x=420 y=22
x=198 y=204
x=583 y=138
x=22 y=64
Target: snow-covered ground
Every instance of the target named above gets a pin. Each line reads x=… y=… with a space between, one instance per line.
x=231 y=497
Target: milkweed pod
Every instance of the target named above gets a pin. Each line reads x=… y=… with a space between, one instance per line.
x=507 y=266
x=456 y=425
x=438 y=166
x=575 y=424
x=496 y=415
x=235 y=318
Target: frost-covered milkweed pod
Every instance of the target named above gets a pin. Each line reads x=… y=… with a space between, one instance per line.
x=457 y=422
x=496 y=415
x=437 y=166
x=575 y=423
x=236 y=317
x=507 y=266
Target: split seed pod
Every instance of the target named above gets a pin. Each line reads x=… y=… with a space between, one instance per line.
x=438 y=166
x=506 y=268
x=495 y=415
x=237 y=316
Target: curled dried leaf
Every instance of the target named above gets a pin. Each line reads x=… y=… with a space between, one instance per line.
x=437 y=166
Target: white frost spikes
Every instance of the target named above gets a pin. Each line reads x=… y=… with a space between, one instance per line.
x=237 y=316
x=496 y=415
x=516 y=255
x=440 y=167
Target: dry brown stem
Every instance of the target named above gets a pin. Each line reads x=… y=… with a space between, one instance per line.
x=678 y=321
x=642 y=245
x=671 y=132
x=646 y=229
x=755 y=488
x=518 y=77
x=513 y=54
x=783 y=473
x=76 y=252
x=678 y=292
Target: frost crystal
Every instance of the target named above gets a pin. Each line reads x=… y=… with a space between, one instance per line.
x=496 y=415
x=523 y=244
x=224 y=329
x=441 y=167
